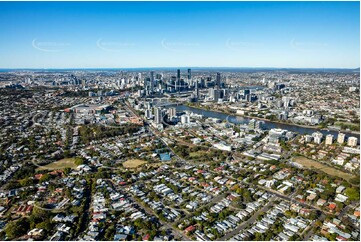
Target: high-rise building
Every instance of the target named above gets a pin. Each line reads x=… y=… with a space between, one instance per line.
x=252 y=124
x=148 y=114
x=216 y=94
x=185 y=119
x=317 y=137
x=177 y=83
x=203 y=83
x=341 y=138
x=218 y=80
x=329 y=139
x=158 y=115
x=260 y=124
x=189 y=75
x=308 y=138
x=196 y=91
x=246 y=92
x=352 y=141
x=172 y=112
x=151 y=81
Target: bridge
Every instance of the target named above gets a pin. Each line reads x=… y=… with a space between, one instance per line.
x=163 y=102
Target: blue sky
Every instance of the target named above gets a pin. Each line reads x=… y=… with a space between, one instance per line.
x=171 y=34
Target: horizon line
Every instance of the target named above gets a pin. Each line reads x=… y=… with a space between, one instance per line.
x=170 y=67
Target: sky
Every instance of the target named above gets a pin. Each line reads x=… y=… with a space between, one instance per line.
x=179 y=34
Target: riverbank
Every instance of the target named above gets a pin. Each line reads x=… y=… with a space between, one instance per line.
x=271 y=121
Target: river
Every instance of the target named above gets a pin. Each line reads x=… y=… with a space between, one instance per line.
x=268 y=124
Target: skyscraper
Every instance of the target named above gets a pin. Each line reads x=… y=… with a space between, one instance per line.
x=189 y=75
x=196 y=90
x=216 y=95
x=158 y=115
x=218 y=80
x=151 y=80
x=177 y=81
x=172 y=112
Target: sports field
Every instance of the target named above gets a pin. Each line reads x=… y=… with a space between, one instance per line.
x=308 y=163
x=134 y=163
x=60 y=164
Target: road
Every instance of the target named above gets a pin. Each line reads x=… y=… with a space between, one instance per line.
x=286 y=197
x=249 y=221
x=276 y=193
x=164 y=224
x=311 y=227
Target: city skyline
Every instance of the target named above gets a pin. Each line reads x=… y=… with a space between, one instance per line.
x=170 y=34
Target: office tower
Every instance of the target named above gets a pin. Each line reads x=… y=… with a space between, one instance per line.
x=203 y=83
x=146 y=85
x=151 y=81
x=172 y=112
x=100 y=93
x=246 y=92
x=352 y=141
x=189 y=75
x=158 y=115
x=329 y=139
x=317 y=137
x=211 y=92
x=260 y=124
x=341 y=138
x=177 y=83
x=218 y=80
x=197 y=90
x=216 y=95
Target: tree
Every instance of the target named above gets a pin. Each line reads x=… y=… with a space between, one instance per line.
x=44 y=178
x=46 y=225
x=79 y=161
x=26 y=182
x=38 y=216
x=17 y=228
x=352 y=194
x=67 y=170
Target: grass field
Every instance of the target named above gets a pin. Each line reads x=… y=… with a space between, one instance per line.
x=197 y=154
x=134 y=163
x=60 y=164
x=319 y=166
x=347 y=125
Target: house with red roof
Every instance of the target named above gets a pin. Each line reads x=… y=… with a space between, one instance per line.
x=190 y=229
